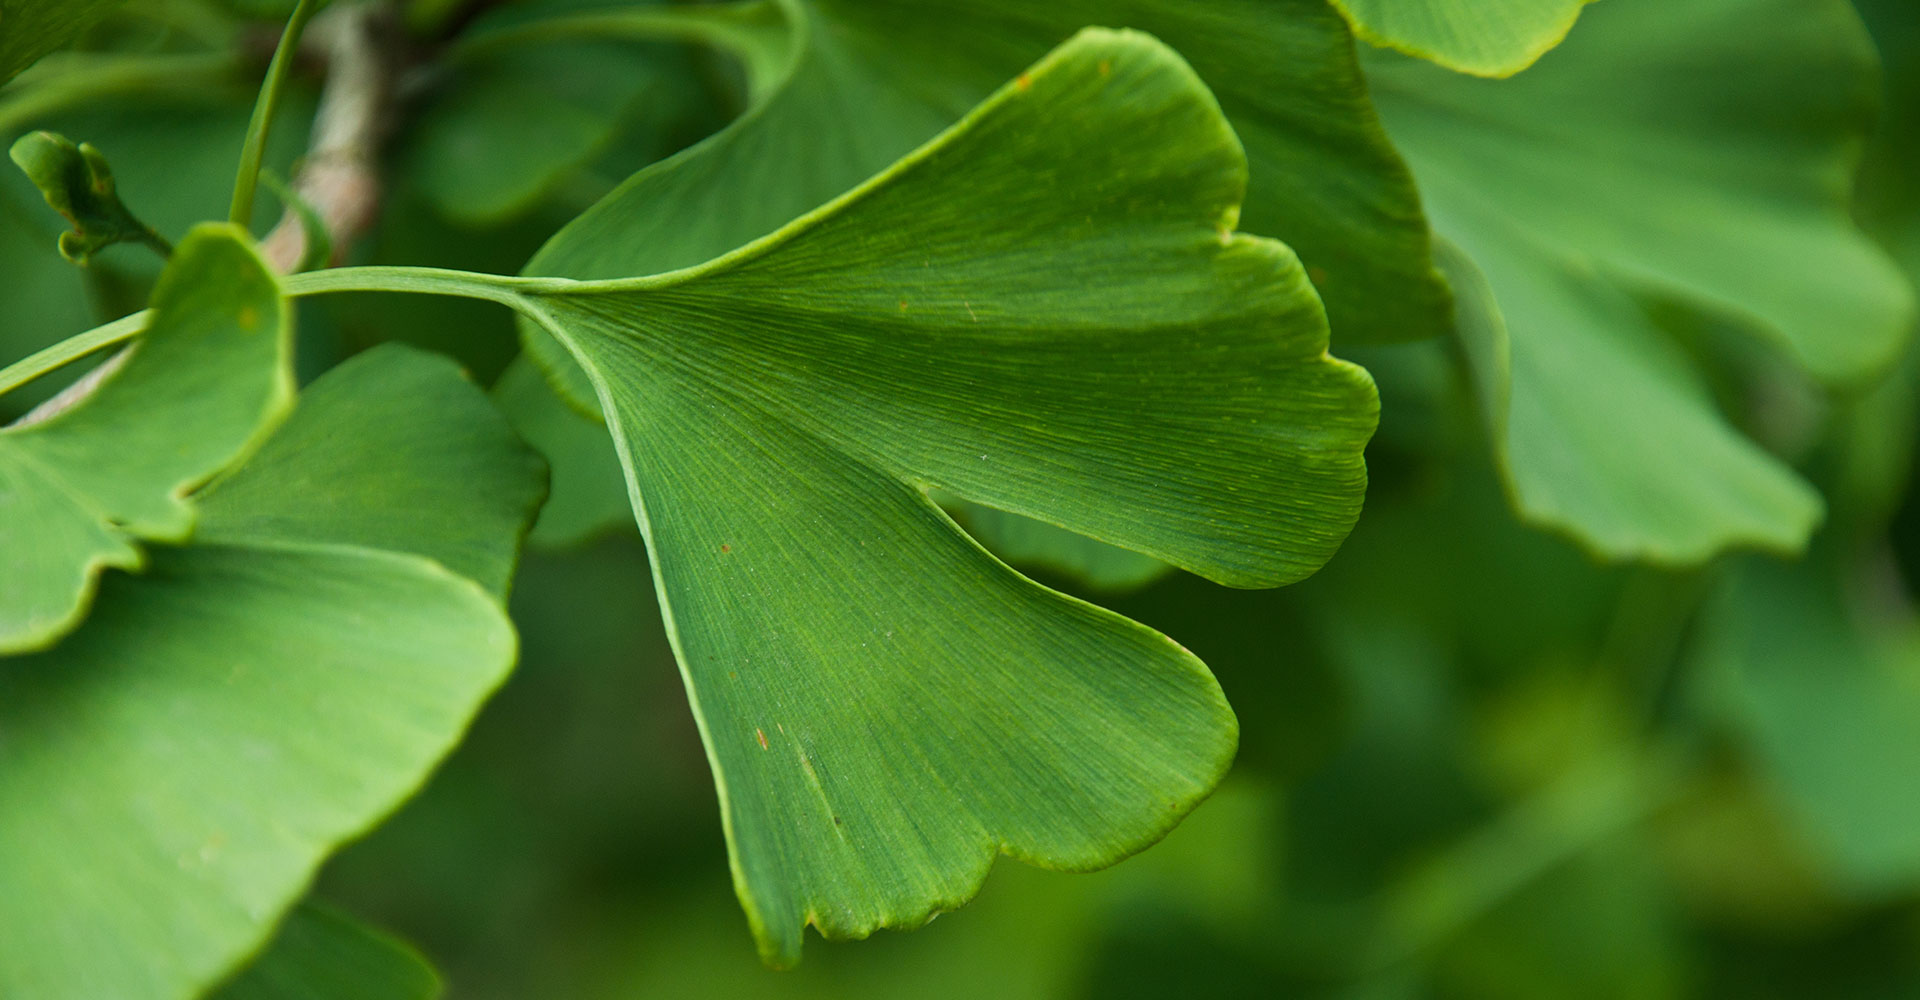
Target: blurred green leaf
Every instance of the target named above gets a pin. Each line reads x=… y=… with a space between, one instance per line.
x=1045 y=310
x=1606 y=432
x=1826 y=699
x=1482 y=37
x=1449 y=562
x=172 y=773
x=319 y=243
x=1698 y=153
x=508 y=127
x=1599 y=926
x=1024 y=541
x=30 y=29
x=1889 y=202
x=1345 y=841
x=1735 y=862
x=1028 y=937
x=1561 y=895
x=321 y=954
x=204 y=382
x=46 y=299
x=589 y=489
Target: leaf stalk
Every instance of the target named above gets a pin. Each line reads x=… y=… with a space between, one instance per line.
x=253 y=150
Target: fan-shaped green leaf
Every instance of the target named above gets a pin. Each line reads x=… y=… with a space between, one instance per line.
x=869 y=80
x=205 y=380
x=1044 y=310
x=1482 y=37
x=322 y=954
x=400 y=434
x=1655 y=154
x=173 y=772
x=861 y=83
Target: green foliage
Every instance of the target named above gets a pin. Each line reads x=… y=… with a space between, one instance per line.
x=778 y=454
x=589 y=489
x=1623 y=171
x=1024 y=541
x=865 y=83
x=1818 y=696
x=30 y=29
x=321 y=954
x=850 y=305
x=176 y=769
x=1472 y=36
x=205 y=380
x=78 y=184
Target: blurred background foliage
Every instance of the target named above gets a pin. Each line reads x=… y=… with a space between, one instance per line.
x=1476 y=761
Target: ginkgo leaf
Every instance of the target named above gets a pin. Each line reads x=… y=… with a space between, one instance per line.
x=1322 y=177
x=1044 y=310
x=322 y=954
x=366 y=443
x=174 y=771
x=30 y=29
x=858 y=84
x=207 y=378
x=1676 y=484
x=1655 y=156
x=1482 y=37
x=867 y=81
x=1825 y=699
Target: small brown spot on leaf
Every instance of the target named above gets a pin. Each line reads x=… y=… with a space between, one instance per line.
x=724 y=549
x=1106 y=67
x=761 y=735
x=1024 y=81
x=836 y=821
x=903 y=305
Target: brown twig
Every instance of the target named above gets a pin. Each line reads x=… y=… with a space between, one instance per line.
x=340 y=177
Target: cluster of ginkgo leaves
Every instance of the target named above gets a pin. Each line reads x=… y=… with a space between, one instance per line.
x=959 y=283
